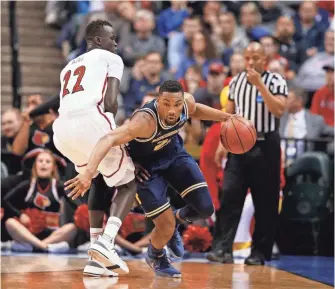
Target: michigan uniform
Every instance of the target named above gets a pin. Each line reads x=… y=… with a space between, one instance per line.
x=165 y=158
x=82 y=118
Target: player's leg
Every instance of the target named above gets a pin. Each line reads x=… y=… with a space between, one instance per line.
x=102 y=250
x=185 y=176
x=152 y=197
x=96 y=206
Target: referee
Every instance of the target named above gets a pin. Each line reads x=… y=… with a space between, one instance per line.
x=259 y=96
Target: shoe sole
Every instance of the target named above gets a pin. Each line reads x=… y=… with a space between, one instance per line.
x=104 y=259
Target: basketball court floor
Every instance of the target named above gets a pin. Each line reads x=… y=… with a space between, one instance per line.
x=42 y=271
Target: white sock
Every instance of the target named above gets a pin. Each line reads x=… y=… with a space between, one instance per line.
x=94 y=234
x=112 y=227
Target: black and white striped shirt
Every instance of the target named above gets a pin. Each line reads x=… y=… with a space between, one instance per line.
x=250 y=104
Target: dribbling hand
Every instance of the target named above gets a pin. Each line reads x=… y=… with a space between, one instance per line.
x=79 y=185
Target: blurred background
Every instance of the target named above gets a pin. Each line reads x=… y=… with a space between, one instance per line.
x=201 y=45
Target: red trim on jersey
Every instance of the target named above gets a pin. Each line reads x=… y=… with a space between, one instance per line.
x=43 y=191
x=103 y=90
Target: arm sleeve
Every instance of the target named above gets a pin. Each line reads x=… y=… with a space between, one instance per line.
x=278 y=85
x=232 y=85
x=18 y=191
x=114 y=64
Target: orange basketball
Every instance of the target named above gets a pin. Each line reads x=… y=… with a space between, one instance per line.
x=238 y=135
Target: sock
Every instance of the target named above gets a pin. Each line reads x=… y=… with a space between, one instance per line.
x=94 y=234
x=153 y=252
x=112 y=227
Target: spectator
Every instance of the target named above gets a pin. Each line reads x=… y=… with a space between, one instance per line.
x=298 y=122
x=210 y=95
x=193 y=79
x=323 y=99
x=228 y=38
x=237 y=65
x=270 y=12
x=309 y=28
x=43 y=192
x=211 y=12
x=311 y=76
x=171 y=19
x=121 y=26
x=277 y=67
x=288 y=47
x=251 y=20
x=201 y=52
x=10 y=126
x=271 y=49
x=143 y=40
x=127 y=11
x=152 y=76
x=179 y=42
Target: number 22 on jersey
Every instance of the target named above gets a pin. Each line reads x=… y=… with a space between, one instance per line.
x=79 y=72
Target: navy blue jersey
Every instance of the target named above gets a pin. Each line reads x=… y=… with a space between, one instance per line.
x=164 y=139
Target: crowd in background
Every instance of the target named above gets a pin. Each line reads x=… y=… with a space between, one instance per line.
x=197 y=43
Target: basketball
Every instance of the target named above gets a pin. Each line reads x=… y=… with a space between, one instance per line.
x=238 y=135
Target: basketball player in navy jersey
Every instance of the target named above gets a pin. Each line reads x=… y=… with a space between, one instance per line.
x=155 y=144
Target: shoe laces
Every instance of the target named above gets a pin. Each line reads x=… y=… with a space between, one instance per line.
x=162 y=261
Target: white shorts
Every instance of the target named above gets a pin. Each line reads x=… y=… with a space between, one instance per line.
x=76 y=135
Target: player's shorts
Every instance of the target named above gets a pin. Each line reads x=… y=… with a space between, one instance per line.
x=76 y=135
x=179 y=170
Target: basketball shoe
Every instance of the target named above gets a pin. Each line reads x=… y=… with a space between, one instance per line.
x=104 y=252
x=161 y=265
x=94 y=268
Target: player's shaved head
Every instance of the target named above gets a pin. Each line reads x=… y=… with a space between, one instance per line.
x=254 y=57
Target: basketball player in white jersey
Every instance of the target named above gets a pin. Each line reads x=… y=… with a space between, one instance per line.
x=89 y=88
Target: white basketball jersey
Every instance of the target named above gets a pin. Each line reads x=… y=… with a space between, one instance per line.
x=84 y=80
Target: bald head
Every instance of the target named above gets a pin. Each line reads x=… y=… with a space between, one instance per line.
x=255 y=47
x=254 y=57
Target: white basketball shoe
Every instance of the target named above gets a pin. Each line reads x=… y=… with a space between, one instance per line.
x=104 y=252
x=94 y=268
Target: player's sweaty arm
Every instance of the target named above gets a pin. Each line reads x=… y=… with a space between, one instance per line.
x=142 y=125
x=204 y=112
x=110 y=101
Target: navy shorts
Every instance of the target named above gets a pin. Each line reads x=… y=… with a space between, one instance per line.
x=179 y=170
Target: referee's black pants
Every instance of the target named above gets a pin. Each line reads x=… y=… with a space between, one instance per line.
x=259 y=171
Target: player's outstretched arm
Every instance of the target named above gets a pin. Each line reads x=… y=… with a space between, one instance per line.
x=204 y=112
x=142 y=125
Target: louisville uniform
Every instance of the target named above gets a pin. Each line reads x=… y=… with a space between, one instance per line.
x=82 y=118
x=164 y=157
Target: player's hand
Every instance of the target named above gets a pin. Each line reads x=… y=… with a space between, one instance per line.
x=79 y=185
x=141 y=173
x=25 y=220
x=254 y=77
